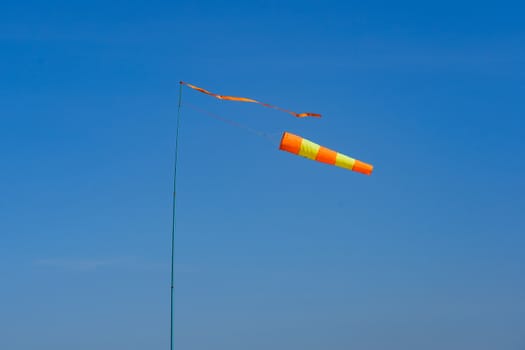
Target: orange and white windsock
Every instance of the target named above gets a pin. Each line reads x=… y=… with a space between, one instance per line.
x=245 y=99
x=308 y=149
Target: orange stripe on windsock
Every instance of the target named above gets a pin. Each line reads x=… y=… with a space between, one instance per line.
x=362 y=167
x=291 y=143
x=326 y=155
x=245 y=99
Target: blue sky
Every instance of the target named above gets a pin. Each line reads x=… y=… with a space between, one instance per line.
x=272 y=251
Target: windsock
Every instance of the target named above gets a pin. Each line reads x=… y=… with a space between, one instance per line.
x=308 y=149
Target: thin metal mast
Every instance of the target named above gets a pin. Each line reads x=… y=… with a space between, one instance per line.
x=173 y=222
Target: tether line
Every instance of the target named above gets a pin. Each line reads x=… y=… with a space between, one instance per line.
x=268 y=137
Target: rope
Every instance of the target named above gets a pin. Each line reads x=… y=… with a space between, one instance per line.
x=269 y=137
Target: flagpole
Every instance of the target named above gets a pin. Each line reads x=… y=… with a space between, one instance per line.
x=173 y=222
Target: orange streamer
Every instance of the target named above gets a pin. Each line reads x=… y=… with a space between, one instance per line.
x=245 y=99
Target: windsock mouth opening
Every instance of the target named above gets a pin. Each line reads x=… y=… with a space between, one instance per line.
x=282 y=141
